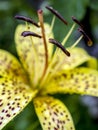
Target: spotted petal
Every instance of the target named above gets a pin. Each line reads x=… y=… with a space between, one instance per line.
x=9 y=65
x=78 y=56
x=79 y=81
x=15 y=94
x=53 y=114
x=31 y=50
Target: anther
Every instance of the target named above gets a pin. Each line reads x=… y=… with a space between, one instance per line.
x=58 y=44
x=56 y=13
x=78 y=22
x=89 y=41
x=28 y=33
x=27 y=20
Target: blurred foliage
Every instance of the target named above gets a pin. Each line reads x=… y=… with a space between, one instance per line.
x=84 y=10
x=78 y=8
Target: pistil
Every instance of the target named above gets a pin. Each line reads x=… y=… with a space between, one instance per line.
x=40 y=15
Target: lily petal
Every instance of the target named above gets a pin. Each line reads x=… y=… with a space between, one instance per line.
x=78 y=57
x=93 y=63
x=53 y=114
x=15 y=94
x=31 y=51
x=79 y=80
x=9 y=65
x=13 y=98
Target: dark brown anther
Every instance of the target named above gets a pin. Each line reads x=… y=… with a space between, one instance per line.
x=89 y=41
x=53 y=41
x=82 y=30
x=27 y=20
x=28 y=33
x=57 y=14
x=78 y=22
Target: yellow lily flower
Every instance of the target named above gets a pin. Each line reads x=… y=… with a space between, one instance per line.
x=41 y=73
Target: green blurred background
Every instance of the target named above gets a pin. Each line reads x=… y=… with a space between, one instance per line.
x=84 y=109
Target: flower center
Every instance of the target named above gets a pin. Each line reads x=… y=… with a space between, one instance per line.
x=49 y=63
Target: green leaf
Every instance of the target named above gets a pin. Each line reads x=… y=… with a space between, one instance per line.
x=73 y=7
x=94 y=4
x=79 y=80
x=53 y=114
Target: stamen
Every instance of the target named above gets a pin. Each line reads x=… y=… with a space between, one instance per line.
x=27 y=20
x=76 y=21
x=28 y=33
x=77 y=41
x=52 y=23
x=56 y=13
x=68 y=34
x=59 y=45
x=40 y=15
x=89 y=41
